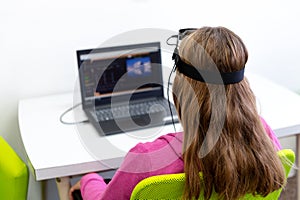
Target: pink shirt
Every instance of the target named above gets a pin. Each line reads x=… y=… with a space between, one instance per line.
x=162 y=156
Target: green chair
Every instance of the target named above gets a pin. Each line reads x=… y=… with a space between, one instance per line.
x=170 y=186
x=13 y=174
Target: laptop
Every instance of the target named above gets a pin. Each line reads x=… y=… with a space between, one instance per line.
x=122 y=88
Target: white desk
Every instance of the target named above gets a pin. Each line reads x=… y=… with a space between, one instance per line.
x=58 y=151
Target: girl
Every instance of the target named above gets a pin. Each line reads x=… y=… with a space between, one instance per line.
x=223 y=135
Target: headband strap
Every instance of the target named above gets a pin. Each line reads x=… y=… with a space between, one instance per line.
x=222 y=78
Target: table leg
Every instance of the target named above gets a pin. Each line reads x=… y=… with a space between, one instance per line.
x=63 y=186
x=298 y=164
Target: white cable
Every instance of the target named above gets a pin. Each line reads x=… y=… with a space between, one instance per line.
x=71 y=123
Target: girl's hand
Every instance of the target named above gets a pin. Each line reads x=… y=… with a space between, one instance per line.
x=76 y=186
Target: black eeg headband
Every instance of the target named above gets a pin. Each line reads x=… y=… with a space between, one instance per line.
x=224 y=78
x=205 y=76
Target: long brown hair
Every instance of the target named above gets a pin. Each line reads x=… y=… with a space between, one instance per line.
x=223 y=134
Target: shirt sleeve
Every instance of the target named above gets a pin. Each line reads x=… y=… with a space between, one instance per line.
x=271 y=134
x=92 y=185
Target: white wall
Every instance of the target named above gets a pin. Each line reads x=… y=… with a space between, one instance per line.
x=38 y=40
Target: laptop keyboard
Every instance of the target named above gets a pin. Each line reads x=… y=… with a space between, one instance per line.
x=132 y=110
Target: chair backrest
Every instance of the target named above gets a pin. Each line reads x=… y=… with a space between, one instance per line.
x=13 y=174
x=170 y=186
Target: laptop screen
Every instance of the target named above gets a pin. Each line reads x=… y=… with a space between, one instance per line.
x=120 y=72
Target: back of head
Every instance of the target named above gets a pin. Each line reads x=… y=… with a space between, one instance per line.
x=223 y=134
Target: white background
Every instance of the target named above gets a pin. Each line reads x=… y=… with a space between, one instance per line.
x=38 y=40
